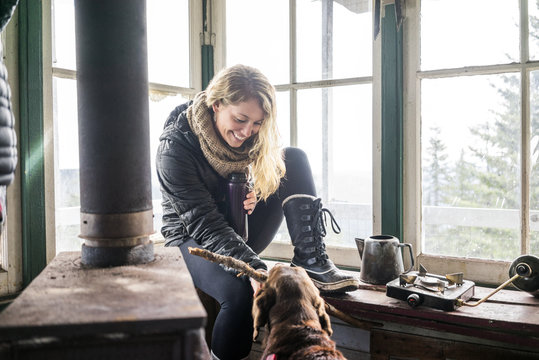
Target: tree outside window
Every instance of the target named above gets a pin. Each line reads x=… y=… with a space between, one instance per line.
x=472 y=131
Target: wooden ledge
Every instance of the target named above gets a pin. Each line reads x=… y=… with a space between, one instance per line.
x=509 y=316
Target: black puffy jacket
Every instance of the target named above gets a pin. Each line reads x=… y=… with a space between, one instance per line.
x=8 y=139
x=194 y=194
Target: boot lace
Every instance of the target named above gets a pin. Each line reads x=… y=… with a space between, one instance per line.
x=320 y=223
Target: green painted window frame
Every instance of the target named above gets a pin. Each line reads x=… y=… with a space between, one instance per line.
x=31 y=157
x=392 y=125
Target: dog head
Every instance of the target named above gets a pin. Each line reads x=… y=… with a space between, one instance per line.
x=289 y=295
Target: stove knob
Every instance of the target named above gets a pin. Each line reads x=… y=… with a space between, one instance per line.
x=414 y=300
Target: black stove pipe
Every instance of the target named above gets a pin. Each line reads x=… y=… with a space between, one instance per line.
x=113 y=111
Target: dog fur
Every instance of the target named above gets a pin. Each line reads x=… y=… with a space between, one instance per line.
x=298 y=325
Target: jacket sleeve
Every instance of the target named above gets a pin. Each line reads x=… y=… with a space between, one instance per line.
x=180 y=178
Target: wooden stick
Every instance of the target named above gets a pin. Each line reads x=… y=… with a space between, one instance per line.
x=242 y=266
x=246 y=269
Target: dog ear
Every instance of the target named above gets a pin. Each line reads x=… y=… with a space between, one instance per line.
x=264 y=301
x=323 y=316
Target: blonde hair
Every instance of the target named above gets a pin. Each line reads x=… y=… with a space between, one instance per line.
x=240 y=83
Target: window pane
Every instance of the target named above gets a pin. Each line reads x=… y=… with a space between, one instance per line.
x=344 y=178
x=166 y=19
x=168 y=42
x=457 y=33
x=257 y=35
x=533 y=26
x=327 y=52
x=63 y=34
x=471 y=166
x=160 y=108
x=310 y=131
x=283 y=116
x=66 y=175
x=534 y=150
x=67 y=159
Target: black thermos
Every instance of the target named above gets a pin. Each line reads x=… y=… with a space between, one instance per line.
x=236 y=195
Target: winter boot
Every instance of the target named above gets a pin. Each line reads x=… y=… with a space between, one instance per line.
x=305 y=218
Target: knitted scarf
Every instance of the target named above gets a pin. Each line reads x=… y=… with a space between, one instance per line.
x=222 y=158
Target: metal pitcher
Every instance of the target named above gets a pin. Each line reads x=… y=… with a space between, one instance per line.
x=381 y=259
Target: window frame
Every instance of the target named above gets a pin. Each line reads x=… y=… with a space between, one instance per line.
x=480 y=270
x=342 y=256
x=51 y=72
x=485 y=271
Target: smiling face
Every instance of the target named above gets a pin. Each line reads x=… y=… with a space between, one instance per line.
x=236 y=123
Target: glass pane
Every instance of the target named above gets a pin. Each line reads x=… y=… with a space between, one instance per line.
x=283 y=122
x=63 y=34
x=325 y=122
x=534 y=150
x=67 y=159
x=168 y=42
x=471 y=166
x=533 y=26
x=160 y=108
x=326 y=51
x=166 y=19
x=283 y=116
x=310 y=132
x=257 y=35
x=456 y=33
x=66 y=176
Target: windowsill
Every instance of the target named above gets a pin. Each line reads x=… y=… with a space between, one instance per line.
x=510 y=318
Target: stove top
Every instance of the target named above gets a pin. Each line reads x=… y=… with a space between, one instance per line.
x=431 y=290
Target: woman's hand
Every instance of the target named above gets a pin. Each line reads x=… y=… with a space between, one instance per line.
x=250 y=203
x=255 y=284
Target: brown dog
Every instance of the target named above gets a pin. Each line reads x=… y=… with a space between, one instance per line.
x=298 y=325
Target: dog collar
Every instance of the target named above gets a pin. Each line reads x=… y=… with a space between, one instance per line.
x=271 y=357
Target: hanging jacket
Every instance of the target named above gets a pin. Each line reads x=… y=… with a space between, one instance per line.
x=8 y=139
x=7 y=7
x=194 y=194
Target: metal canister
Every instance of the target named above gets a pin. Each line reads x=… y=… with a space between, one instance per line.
x=236 y=195
x=527 y=266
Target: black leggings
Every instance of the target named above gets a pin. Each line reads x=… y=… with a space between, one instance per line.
x=233 y=329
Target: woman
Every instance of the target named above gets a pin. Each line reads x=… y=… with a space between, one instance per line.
x=231 y=127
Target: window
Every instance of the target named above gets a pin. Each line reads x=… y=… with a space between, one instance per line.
x=470 y=114
x=173 y=75
x=476 y=89
x=318 y=54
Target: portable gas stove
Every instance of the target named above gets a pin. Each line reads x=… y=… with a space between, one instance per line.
x=440 y=292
